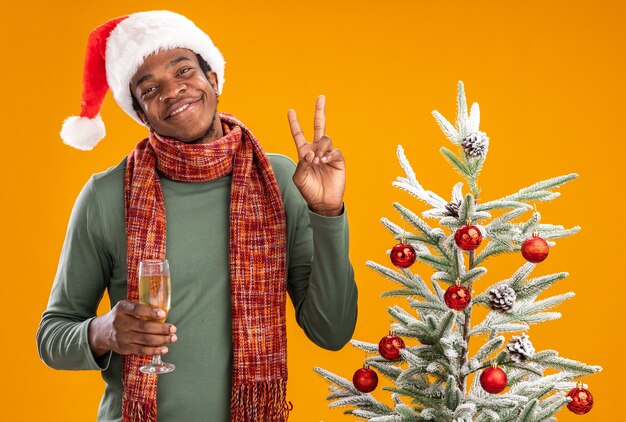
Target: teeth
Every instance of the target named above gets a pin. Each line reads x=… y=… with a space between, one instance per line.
x=178 y=110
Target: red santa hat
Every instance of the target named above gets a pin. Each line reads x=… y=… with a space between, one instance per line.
x=115 y=50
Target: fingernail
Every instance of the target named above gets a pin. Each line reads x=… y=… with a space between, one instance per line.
x=164 y=350
x=174 y=338
x=161 y=313
x=324 y=158
x=173 y=329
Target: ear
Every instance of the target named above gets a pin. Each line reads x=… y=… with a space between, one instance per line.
x=212 y=77
x=143 y=118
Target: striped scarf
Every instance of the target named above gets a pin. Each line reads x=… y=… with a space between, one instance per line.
x=257 y=263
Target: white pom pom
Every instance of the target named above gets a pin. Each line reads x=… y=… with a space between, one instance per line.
x=82 y=132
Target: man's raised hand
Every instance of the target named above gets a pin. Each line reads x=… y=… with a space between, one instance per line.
x=321 y=172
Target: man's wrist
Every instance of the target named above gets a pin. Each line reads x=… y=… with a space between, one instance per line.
x=95 y=337
x=332 y=212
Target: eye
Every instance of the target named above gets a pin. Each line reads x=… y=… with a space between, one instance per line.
x=147 y=91
x=184 y=70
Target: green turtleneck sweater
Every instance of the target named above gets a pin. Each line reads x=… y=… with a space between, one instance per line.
x=93 y=260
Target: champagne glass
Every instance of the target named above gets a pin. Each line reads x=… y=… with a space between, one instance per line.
x=155 y=289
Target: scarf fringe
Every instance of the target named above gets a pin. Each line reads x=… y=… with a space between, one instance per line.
x=260 y=401
x=136 y=411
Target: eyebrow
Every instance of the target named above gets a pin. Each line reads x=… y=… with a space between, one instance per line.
x=170 y=64
x=176 y=61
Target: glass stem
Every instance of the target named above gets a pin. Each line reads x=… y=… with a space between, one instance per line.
x=156 y=360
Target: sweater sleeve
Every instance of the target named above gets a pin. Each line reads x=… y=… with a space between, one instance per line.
x=320 y=277
x=80 y=282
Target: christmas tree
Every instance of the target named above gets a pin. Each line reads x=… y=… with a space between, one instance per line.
x=434 y=376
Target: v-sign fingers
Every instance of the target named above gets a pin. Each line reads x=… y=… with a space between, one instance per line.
x=296 y=131
x=319 y=121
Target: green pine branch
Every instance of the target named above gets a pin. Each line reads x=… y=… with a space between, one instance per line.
x=540 y=191
x=551 y=359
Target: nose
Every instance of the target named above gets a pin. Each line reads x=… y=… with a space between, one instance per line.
x=171 y=90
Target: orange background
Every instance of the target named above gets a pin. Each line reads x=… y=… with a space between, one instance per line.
x=549 y=80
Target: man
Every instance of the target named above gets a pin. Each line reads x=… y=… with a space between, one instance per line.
x=234 y=224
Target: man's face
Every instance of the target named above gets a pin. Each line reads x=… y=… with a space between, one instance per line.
x=177 y=98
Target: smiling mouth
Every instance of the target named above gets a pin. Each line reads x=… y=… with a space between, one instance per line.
x=181 y=109
x=178 y=110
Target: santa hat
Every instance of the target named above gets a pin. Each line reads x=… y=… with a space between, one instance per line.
x=115 y=51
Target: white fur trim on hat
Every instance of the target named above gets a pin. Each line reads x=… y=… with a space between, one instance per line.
x=82 y=132
x=144 y=33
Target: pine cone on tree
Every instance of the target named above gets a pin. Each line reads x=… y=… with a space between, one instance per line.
x=452 y=209
x=502 y=298
x=520 y=348
x=476 y=144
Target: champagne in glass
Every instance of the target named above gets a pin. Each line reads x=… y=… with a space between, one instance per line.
x=155 y=289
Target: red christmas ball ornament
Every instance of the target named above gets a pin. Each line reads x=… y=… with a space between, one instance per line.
x=493 y=380
x=402 y=255
x=468 y=238
x=365 y=379
x=582 y=400
x=535 y=249
x=389 y=347
x=457 y=297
